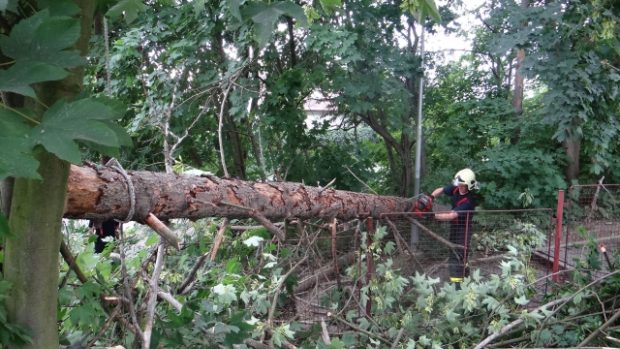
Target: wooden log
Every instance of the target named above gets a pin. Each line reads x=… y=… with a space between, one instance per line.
x=103 y=193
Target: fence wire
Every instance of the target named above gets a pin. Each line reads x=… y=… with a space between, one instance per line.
x=592 y=220
x=492 y=232
x=330 y=287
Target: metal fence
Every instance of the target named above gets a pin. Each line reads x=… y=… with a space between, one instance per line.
x=585 y=215
x=492 y=232
x=591 y=217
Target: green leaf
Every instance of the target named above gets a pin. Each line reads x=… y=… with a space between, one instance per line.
x=521 y=300
x=423 y=8
x=233 y=7
x=129 y=8
x=64 y=123
x=282 y=333
x=233 y=266
x=3 y=5
x=336 y=344
x=226 y=294
x=12 y=124
x=199 y=6
x=329 y=6
x=429 y=8
x=104 y=269
x=44 y=39
x=87 y=261
x=18 y=77
x=265 y=17
x=293 y=10
x=59 y=7
x=16 y=157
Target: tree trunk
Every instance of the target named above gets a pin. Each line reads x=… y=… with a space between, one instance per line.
x=31 y=257
x=517 y=98
x=6 y=193
x=407 y=165
x=103 y=194
x=235 y=143
x=572 y=147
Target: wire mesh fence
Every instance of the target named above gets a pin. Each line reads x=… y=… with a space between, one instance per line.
x=482 y=245
x=591 y=219
x=333 y=284
x=342 y=262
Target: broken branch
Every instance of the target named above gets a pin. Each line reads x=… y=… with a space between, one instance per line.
x=160 y=228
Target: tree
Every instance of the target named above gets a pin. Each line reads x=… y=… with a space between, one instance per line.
x=102 y=194
x=43 y=45
x=373 y=79
x=569 y=43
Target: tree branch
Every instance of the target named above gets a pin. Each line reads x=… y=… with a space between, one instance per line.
x=600 y=329
x=68 y=257
x=162 y=230
x=277 y=291
x=152 y=300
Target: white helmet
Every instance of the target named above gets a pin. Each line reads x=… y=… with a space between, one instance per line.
x=466 y=176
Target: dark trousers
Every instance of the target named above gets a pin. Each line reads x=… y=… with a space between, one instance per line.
x=457 y=261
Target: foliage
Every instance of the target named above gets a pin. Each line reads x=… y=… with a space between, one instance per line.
x=569 y=49
x=469 y=130
x=423 y=312
x=10 y=333
x=510 y=171
x=41 y=49
x=231 y=299
x=492 y=240
x=185 y=66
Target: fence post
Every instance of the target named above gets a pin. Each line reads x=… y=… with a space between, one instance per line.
x=558 y=235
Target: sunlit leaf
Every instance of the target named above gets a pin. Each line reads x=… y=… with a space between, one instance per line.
x=522 y=300
x=253 y=241
x=130 y=9
x=226 y=294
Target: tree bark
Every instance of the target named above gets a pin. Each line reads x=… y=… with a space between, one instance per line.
x=31 y=257
x=572 y=146
x=402 y=169
x=102 y=193
x=517 y=98
x=6 y=193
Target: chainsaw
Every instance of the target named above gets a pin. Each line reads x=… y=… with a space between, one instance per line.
x=422 y=205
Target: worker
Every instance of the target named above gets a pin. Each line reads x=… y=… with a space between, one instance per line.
x=460 y=217
x=103 y=230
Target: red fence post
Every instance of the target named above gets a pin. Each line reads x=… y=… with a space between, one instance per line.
x=558 y=235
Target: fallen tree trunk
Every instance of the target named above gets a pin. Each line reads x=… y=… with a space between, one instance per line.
x=102 y=193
